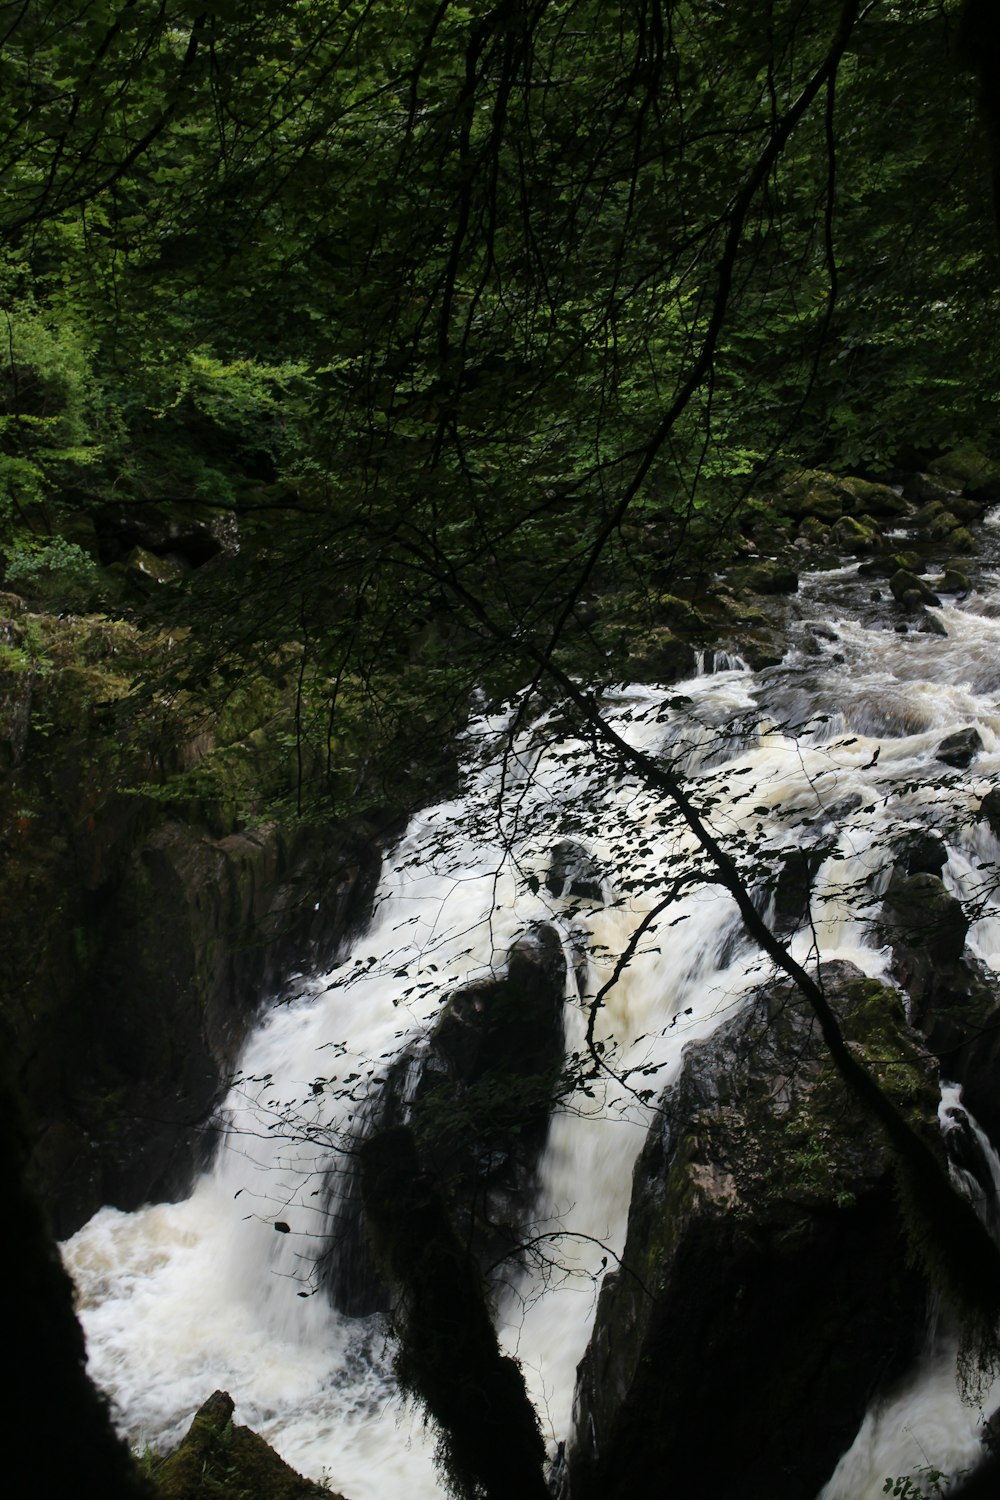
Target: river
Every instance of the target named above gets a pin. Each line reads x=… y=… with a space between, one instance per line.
x=832 y=753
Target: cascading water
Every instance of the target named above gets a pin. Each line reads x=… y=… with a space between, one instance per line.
x=925 y=1427
x=822 y=763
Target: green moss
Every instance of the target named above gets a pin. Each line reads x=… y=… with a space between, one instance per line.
x=219 y=1461
x=969 y=467
x=856 y=536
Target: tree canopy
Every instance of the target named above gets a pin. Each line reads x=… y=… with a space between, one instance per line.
x=440 y=299
x=464 y=313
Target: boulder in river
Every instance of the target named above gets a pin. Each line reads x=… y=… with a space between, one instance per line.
x=764 y=1283
x=959 y=749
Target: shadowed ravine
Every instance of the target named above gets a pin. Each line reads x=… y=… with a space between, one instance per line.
x=814 y=772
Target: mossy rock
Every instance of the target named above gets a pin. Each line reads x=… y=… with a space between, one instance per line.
x=952 y=581
x=771 y=577
x=934 y=514
x=144 y=570
x=219 y=1461
x=760 y=648
x=815 y=531
x=923 y=488
x=961 y=540
x=762 y=1205
x=970 y=470
x=943 y=526
x=660 y=656
x=875 y=500
x=911 y=591
x=855 y=537
x=890 y=563
x=679 y=614
x=812 y=492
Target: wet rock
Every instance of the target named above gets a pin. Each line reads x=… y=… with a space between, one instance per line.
x=481 y=1110
x=952 y=581
x=814 y=531
x=826 y=497
x=935 y=521
x=763 y=1236
x=888 y=564
x=959 y=749
x=199 y=929
x=961 y=540
x=921 y=915
x=921 y=853
x=790 y=889
x=760 y=648
x=966 y=1151
x=874 y=500
x=811 y=492
x=969 y=469
x=17 y=682
x=194 y=539
x=951 y=996
x=143 y=570
x=573 y=871
x=930 y=625
x=926 y=489
x=679 y=614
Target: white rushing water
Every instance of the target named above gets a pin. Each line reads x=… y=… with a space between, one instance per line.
x=832 y=753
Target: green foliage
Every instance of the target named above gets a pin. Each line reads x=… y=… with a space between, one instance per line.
x=447 y=267
x=54 y=570
x=927 y=1482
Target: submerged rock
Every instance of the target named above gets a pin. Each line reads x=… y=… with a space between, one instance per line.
x=763 y=1284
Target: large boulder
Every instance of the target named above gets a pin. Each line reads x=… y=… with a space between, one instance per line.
x=478 y=1094
x=959 y=749
x=922 y=918
x=763 y=1294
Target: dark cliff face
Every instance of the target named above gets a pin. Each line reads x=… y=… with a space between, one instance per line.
x=763 y=1295
x=188 y=938
x=148 y=906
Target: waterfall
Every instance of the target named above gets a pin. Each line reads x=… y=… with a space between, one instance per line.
x=924 y=1426
x=822 y=764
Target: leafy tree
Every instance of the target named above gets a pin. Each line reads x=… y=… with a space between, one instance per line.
x=468 y=312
